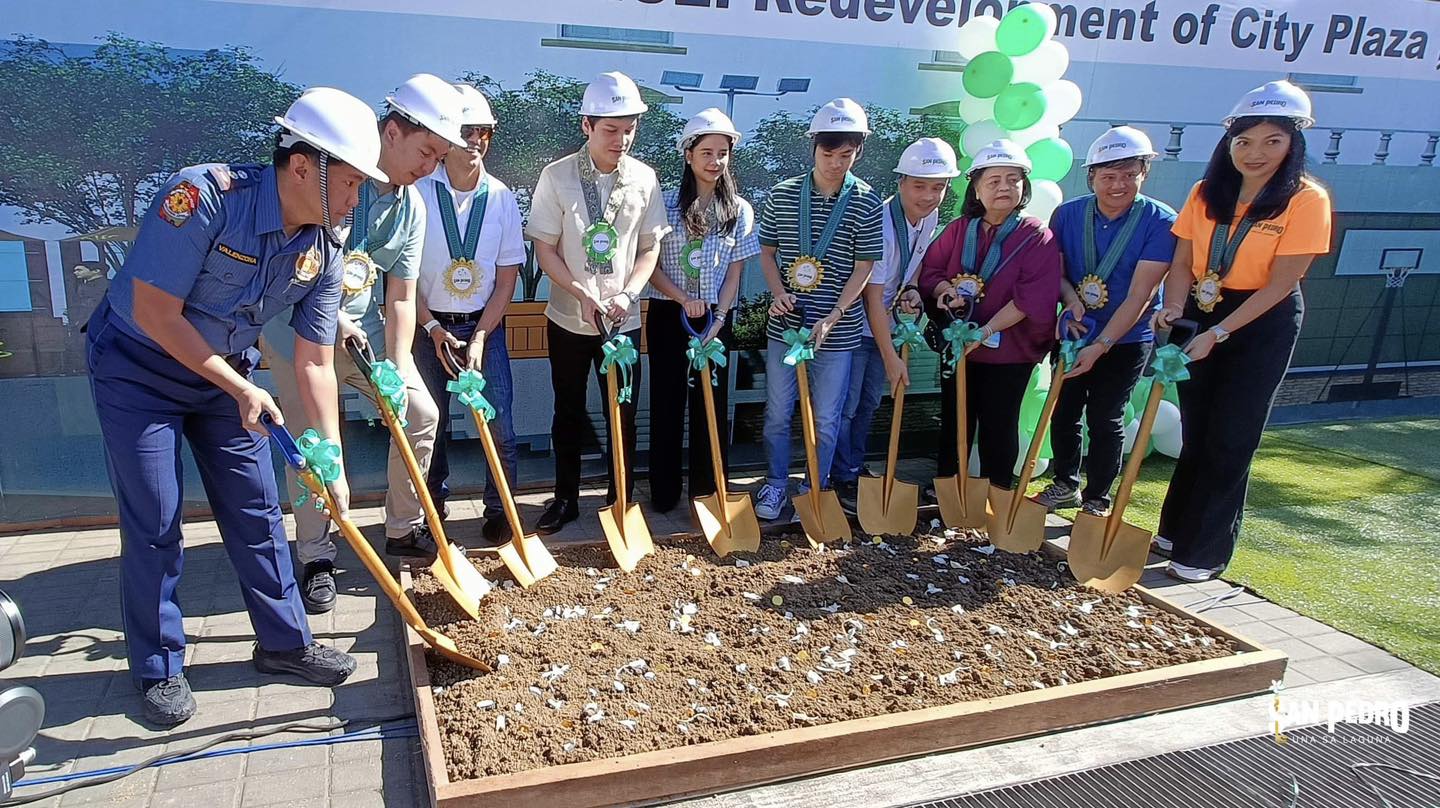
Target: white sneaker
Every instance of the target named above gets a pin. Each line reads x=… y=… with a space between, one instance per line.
x=1194 y=575
x=769 y=502
x=1164 y=545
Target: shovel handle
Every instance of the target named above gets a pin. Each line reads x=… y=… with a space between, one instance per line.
x=1089 y=322
x=452 y=363
x=709 y=321
x=1033 y=453
x=1182 y=331
x=361 y=354
x=284 y=441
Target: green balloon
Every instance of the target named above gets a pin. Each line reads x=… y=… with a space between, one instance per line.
x=1050 y=159
x=1022 y=30
x=1020 y=106
x=988 y=74
x=964 y=164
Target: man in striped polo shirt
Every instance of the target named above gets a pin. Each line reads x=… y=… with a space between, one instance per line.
x=819 y=235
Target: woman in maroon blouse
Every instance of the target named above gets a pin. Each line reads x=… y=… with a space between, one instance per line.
x=1015 y=286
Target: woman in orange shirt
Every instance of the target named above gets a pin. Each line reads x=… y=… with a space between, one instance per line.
x=1247 y=234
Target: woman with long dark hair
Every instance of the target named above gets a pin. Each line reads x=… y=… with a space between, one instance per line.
x=1003 y=268
x=1247 y=234
x=712 y=235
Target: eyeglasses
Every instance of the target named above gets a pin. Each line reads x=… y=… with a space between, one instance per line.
x=473 y=129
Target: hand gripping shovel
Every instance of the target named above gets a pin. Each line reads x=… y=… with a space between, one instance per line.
x=1106 y=552
x=886 y=505
x=727 y=520
x=465 y=585
x=623 y=523
x=962 y=498
x=315 y=480
x=524 y=555
x=819 y=510
x=1017 y=522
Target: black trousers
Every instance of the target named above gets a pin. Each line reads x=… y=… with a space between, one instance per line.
x=573 y=358
x=1101 y=395
x=1223 y=409
x=674 y=386
x=993 y=395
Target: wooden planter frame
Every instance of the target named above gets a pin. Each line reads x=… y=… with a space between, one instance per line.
x=708 y=768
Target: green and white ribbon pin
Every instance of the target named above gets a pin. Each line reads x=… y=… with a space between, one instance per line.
x=712 y=352
x=391 y=387
x=322 y=459
x=910 y=333
x=958 y=336
x=801 y=348
x=468 y=386
x=1169 y=364
x=620 y=353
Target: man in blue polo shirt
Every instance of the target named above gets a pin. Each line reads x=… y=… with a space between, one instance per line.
x=1117 y=245
x=221 y=250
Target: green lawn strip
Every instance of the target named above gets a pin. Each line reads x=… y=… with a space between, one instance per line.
x=1409 y=444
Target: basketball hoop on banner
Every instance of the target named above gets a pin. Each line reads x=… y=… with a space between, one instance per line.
x=1397 y=264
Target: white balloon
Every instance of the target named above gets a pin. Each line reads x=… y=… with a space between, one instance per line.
x=976 y=36
x=1034 y=134
x=1043 y=65
x=979 y=135
x=1168 y=444
x=1167 y=419
x=1131 y=430
x=975 y=110
x=1041 y=464
x=1063 y=101
x=1045 y=197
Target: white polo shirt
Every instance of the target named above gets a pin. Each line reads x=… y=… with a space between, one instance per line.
x=502 y=241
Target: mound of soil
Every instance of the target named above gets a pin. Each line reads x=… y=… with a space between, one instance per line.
x=595 y=663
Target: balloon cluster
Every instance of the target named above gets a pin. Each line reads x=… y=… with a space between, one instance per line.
x=1013 y=90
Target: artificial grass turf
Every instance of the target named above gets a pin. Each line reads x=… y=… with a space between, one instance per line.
x=1339 y=525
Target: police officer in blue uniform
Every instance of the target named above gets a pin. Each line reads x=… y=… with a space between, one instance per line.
x=170 y=352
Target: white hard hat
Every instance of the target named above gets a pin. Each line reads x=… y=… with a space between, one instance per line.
x=1000 y=153
x=338 y=124
x=612 y=95
x=1279 y=99
x=840 y=115
x=474 y=107
x=1119 y=143
x=431 y=102
x=928 y=157
x=708 y=122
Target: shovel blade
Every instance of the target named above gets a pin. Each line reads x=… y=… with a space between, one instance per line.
x=821 y=516
x=739 y=530
x=1112 y=569
x=1023 y=534
x=468 y=603
x=895 y=518
x=471 y=582
x=515 y=563
x=969 y=511
x=627 y=534
x=447 y=648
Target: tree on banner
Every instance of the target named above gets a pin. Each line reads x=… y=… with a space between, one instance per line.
x=90 y=134
x=1014 y=90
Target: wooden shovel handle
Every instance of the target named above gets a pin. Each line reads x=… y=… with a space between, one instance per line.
x=807 y=422
x=502 y=485
x=373 y=564
x=617 y=443
x=892 y=455
x=716 y=461
x=412 y=466
x=1033 y=453
x=962 y=430
x=1132 y=463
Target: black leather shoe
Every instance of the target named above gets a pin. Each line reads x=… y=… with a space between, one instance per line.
x=317 y=588
x=557 y=514
x=168 y=702
x=418 y=543
x=496 y=530
x=315 y=663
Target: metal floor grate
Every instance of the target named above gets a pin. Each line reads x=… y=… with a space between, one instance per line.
x=1314 y=770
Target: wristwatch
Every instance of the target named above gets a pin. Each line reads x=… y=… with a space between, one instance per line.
x=1107 y=342
x=1220 y=333
x=721 y=314
x=430 y=325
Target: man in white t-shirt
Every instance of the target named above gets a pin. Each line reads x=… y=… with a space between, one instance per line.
x=474 y=247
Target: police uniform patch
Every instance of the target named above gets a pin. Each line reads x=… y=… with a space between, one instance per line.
x=180 y=203
x=227 y=250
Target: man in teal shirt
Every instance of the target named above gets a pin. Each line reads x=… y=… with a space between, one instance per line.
x=421 y=123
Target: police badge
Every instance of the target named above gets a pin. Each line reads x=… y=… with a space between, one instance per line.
x=307 y=265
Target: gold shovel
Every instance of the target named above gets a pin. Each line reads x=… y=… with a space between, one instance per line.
x=525 y=556
x=625 y=529
x=1016 y=523
x=727 y=520
x=819 y=511
x=465 y=585
x=445 y=646
x=886 y=505
x=962 y=498
x=1106 y=552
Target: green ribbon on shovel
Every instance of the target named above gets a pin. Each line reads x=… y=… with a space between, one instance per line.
x=958 y=336
x=468 y=386
x=700 y=353
x=1169 y=364
x=322 y=458
x=620 y=353
x=391 y=387
x=910 y=333
x=1070 y=352
x=801 y=350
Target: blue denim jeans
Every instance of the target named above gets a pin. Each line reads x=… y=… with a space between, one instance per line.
x=499 y=391
x=867 y=387
x=829 y=377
